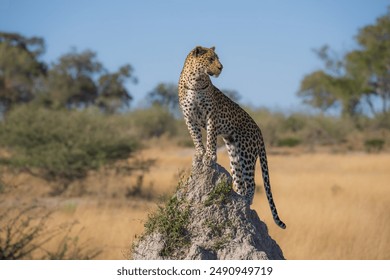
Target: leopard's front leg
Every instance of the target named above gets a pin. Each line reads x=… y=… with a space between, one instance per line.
x=211 y=144
x=196 y=135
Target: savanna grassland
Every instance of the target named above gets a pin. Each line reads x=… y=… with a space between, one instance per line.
x=336 y=206
x=81 y=167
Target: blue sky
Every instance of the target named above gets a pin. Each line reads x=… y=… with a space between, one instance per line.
x=266 y=46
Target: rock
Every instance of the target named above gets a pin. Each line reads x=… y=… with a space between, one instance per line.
x=206 y=220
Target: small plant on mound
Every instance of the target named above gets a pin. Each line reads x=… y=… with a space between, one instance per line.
x=171 y=220
x=219 y=194
x=217 y=230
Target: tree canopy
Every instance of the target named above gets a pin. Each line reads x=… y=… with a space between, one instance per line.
x=165 y=95
x=359 y=80
x=75 y=80
x=20 y=68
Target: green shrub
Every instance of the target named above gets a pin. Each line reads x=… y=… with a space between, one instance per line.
x=219 y=194
x=381 y=121
x=153 y=122
x=280 y=129
x=63 y=145
x=296 y=122
x=171 y=221
x=374 y=145
x=187 y=143
x=270 y=123
x=288 y=142
x=327 y=130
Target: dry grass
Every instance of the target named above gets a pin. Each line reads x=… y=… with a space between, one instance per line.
x=110 y=224
x=336 y=206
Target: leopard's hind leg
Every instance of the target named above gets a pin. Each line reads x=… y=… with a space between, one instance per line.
x=242 y=167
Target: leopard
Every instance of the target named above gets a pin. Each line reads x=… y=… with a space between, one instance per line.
x=204 y=106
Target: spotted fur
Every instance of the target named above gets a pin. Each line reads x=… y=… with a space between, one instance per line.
x=205 y=106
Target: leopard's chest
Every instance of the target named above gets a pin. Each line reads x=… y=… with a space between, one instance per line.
x=197 y=107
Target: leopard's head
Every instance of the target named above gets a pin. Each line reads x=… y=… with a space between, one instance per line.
x=206 y=61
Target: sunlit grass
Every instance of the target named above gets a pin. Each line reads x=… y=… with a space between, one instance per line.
x=336 y=206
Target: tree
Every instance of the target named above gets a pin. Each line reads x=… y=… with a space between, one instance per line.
x=373 y=60
x=20 y=68
x=79 y=80
x=165 y=95
x=71 y=81
x=357 y=79
x=316 y=90
x=112 y=91
x=334 y=86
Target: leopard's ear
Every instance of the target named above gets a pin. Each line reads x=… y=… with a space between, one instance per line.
x=213 y=48
x=198 y=51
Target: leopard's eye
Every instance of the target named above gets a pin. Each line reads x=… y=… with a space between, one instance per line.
x=211 y=59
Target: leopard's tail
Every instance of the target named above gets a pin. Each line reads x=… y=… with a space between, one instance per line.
x=267 y=185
